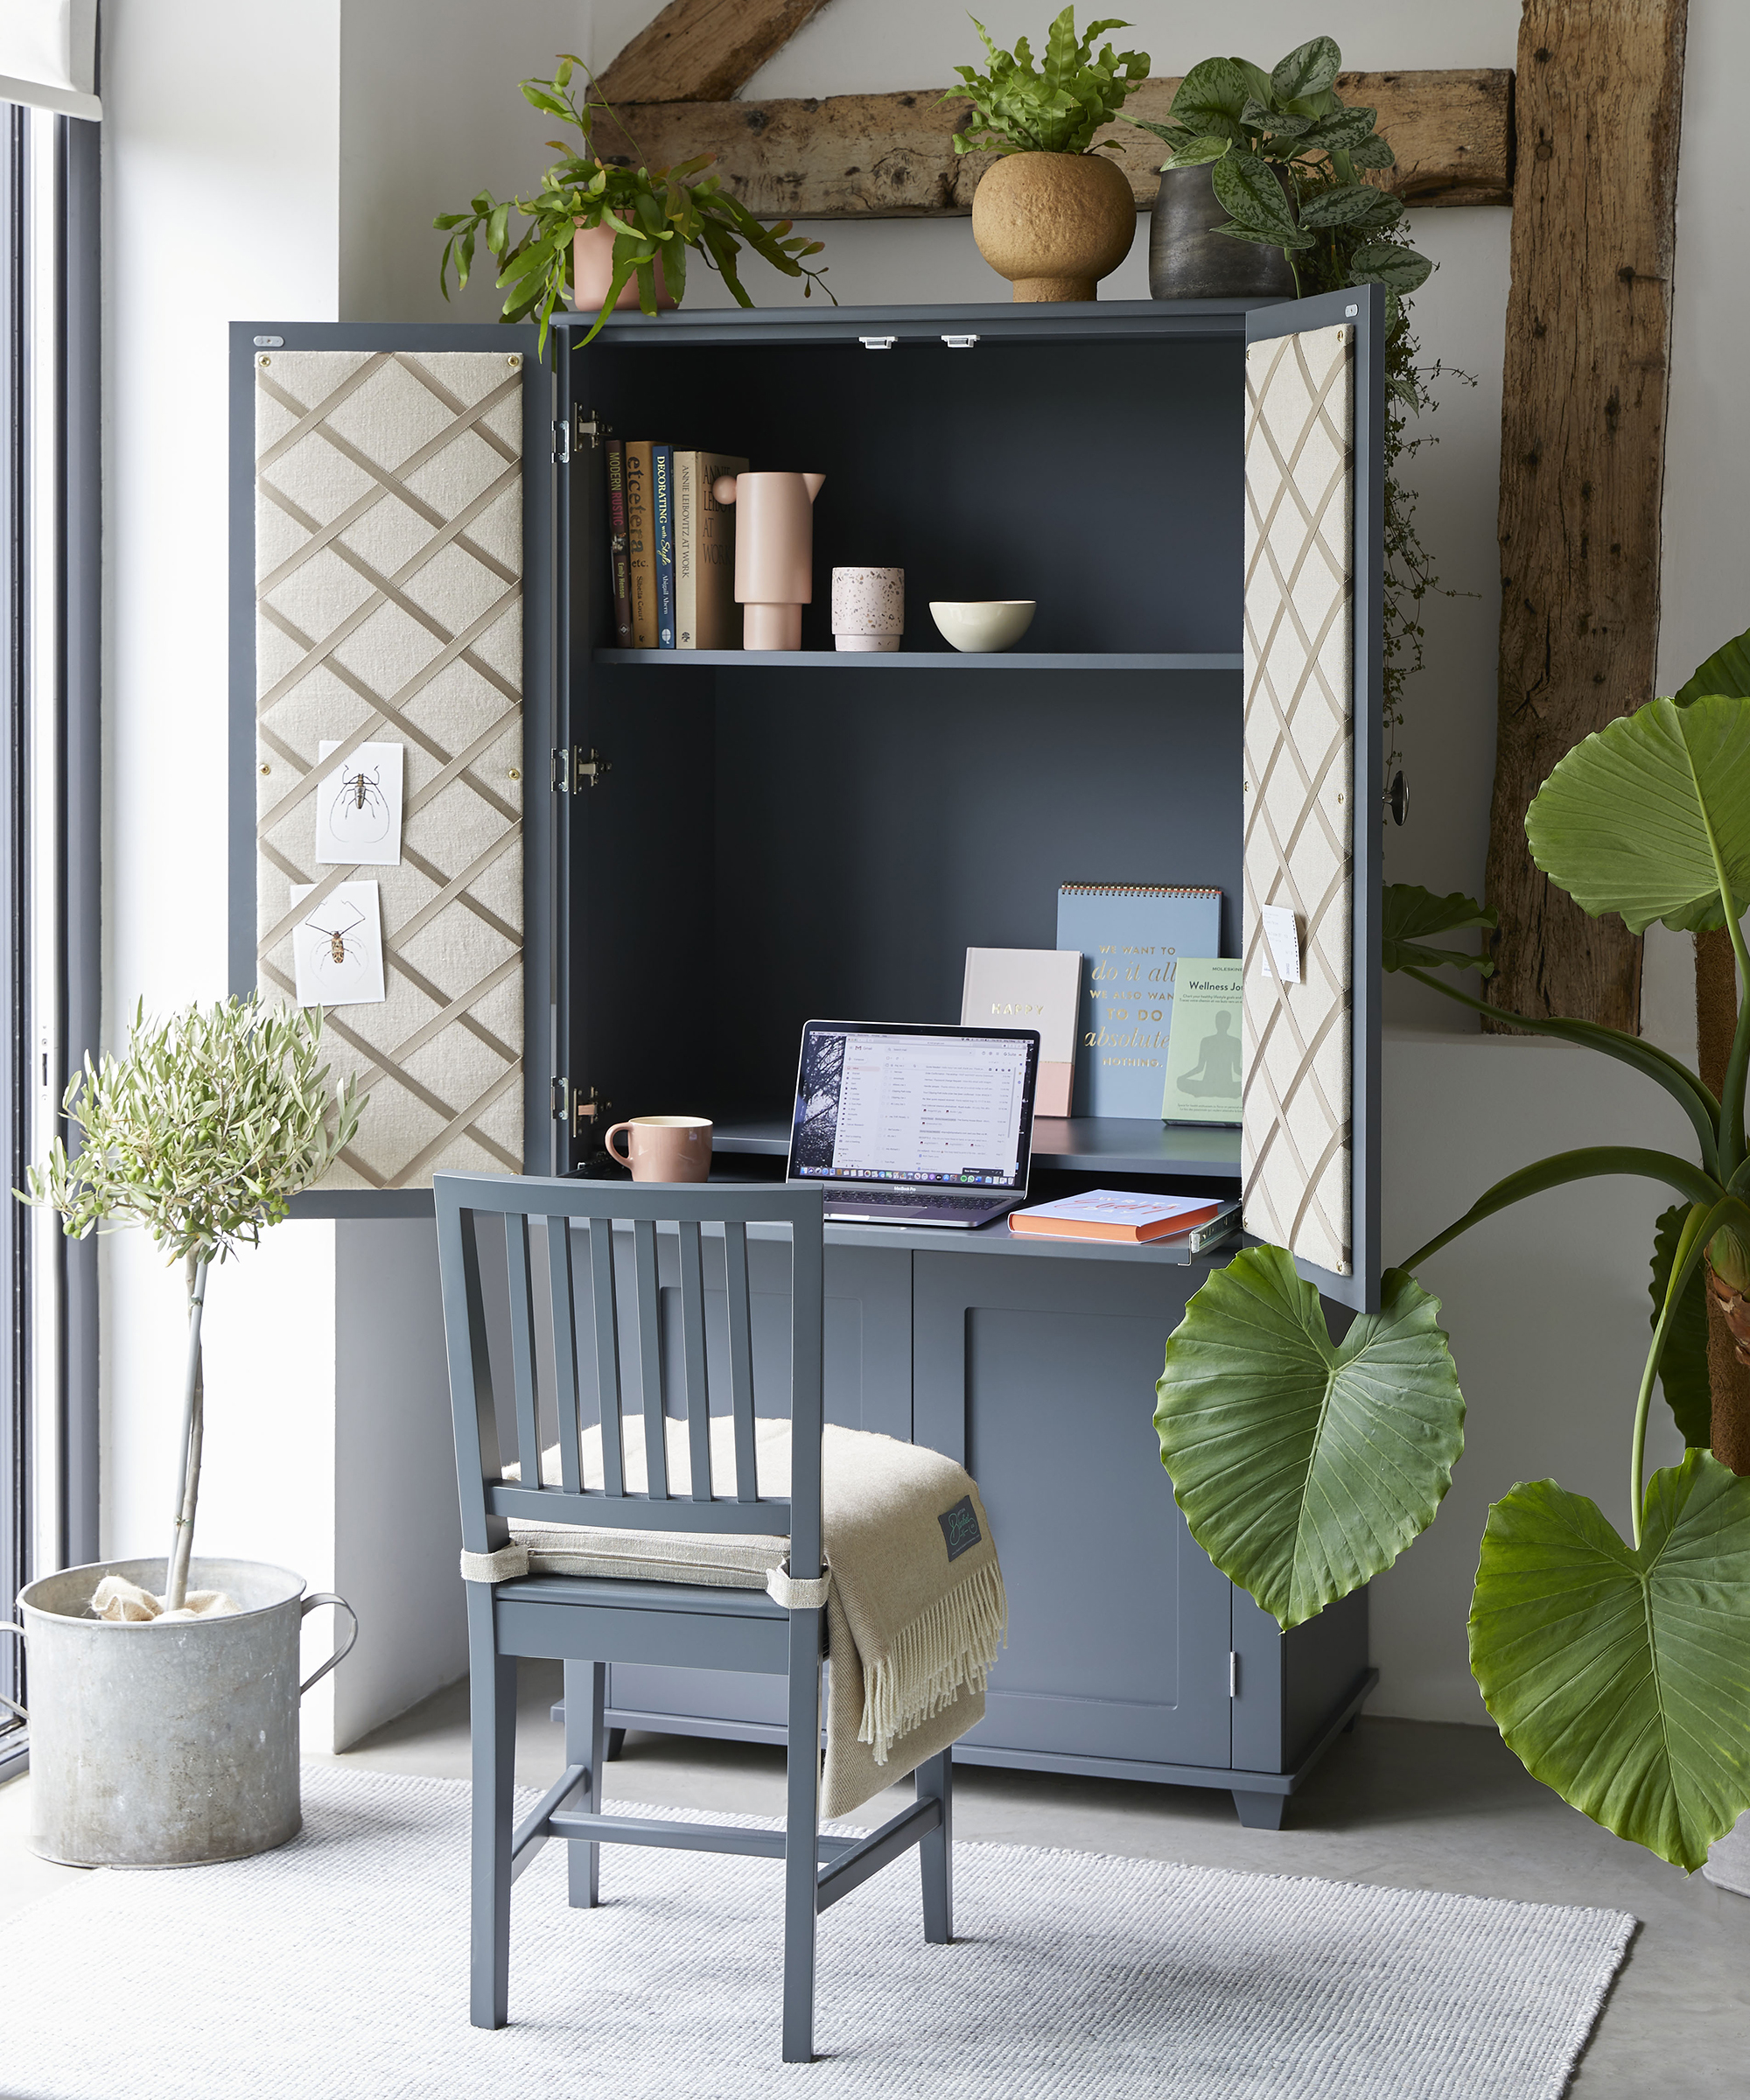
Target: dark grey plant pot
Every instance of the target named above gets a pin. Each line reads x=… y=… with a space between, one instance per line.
x=1189 y=260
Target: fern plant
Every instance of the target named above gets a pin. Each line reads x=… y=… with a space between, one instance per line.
x=1056 y=108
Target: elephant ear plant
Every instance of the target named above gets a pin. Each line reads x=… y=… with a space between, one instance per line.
x=1617 y=1671
x=201 y=1133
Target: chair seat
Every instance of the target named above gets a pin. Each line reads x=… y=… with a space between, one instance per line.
x=717 y=1559
x=627 y=1593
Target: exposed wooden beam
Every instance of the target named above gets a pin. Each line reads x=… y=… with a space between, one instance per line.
x=1582 y=455
x=702 y=51
x=892 y=156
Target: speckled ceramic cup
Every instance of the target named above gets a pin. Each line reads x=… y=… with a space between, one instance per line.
x=868 y=608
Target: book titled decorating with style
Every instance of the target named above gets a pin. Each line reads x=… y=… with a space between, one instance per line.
x=1131 y=936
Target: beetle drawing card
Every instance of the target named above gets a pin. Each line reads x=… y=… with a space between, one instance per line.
x=337 y=947
x=358 y=806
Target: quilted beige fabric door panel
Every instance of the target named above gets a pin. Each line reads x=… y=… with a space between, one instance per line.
x=388 y=602
x=1299 y=803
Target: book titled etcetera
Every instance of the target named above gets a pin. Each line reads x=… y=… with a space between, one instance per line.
x=1113 y=1213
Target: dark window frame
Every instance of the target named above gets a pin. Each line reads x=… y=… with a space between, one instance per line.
x=68 y=1532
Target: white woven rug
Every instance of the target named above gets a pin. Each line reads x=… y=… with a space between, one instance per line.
x=336 y=1968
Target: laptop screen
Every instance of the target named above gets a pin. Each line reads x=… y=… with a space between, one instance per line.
x=914 y=1104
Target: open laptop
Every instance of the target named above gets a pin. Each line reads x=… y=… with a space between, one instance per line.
x=904 y=1124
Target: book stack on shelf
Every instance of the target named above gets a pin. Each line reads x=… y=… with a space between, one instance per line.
x=671 y=547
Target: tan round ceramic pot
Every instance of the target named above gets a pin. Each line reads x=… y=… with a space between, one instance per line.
x=1053 y=223
x=592 y=272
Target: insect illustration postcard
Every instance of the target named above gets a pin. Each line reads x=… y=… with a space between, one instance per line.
x=337 y=948
x=358 y=806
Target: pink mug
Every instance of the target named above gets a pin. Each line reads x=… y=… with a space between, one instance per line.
x=664 y=1148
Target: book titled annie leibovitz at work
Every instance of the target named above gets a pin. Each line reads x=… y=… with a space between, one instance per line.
x=1131 y=936
x=1204 y=1082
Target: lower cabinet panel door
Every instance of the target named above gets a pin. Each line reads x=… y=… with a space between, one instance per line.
x=1039 y=1377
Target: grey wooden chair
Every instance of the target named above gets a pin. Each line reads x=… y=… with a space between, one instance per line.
x=590 y=1622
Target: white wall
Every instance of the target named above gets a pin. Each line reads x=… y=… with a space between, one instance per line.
x=221 y=187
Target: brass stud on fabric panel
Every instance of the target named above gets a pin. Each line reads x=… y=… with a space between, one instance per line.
x=266 y=360
x=266 y=769
x=514 y=361
x=515 y=773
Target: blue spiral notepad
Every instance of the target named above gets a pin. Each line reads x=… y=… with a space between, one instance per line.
x=1131 y=936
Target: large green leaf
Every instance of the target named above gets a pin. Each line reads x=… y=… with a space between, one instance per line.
x=1304 y=1467
x=1630 y=819
x=1308 y=70
x=1211 y=97
x=1411 y=912
x=1682 y=1368
x=1247 y=188
x=1621 y=1677
x=1726 y=671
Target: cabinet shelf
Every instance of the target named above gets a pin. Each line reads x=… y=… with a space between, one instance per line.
x=914 y=660
x=1099 y=1144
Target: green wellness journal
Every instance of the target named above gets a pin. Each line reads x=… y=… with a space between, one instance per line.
x=1203 y=1049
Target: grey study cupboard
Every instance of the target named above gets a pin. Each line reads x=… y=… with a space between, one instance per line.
x=735 y=841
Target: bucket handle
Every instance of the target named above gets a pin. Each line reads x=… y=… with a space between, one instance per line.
x=340 y=1655
x=11 y=1626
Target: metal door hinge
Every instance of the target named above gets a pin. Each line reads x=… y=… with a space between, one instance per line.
x=577 y=1106
x=1233 y=1674
x=878 y=342
x=571 y=771
x=593 y=427
x=562 y=442
x=961 y=342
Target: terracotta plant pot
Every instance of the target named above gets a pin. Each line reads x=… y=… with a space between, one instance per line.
x=1053 y=223
x=592 y=272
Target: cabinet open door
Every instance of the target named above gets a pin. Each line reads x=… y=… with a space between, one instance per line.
x=391 y=606
x=1310 y=925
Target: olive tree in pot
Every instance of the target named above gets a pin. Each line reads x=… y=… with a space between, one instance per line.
x=1618 y=1670
x=1051 y=215
x=163 y=1721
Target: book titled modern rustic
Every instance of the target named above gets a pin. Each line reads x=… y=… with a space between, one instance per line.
x=1029 y=988
x=706 y=615
x=1130 y=936
x=641 y=546
x=1203 y=1078
x=663 y=539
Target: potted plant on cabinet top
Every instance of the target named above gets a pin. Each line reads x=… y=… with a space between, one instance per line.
x=1051 y=215
x=1264 y=197
x=1618 y=1670
x=164 y=1722
x=611 y=234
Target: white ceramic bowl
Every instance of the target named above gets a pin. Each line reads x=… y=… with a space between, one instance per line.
x=982 y=624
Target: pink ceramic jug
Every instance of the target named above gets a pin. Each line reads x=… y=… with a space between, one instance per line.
x=775 y=547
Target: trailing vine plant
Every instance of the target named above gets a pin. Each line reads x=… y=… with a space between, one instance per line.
x=1288 y=159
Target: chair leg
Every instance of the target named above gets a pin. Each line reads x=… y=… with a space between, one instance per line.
x=935 y=1853
x=585 y=1744
x=801 y=1835
x=492 y=1700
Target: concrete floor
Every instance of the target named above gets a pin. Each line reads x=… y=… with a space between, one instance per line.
x=1404 y=1804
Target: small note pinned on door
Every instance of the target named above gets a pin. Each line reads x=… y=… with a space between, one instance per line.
x=1282 y=933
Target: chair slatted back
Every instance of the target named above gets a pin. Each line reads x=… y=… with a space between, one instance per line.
x=578 y=1222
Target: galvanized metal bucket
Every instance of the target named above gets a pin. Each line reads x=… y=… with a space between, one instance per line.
x=166 y=1745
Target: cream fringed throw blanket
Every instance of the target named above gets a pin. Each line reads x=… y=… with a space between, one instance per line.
x=915 y=1608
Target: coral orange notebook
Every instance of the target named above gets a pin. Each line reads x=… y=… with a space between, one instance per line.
x=1110 y=1214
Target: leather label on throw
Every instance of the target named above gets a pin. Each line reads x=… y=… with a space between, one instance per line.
x=960 y=1527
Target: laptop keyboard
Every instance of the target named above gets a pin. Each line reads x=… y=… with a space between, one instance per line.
x=913 y=1202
